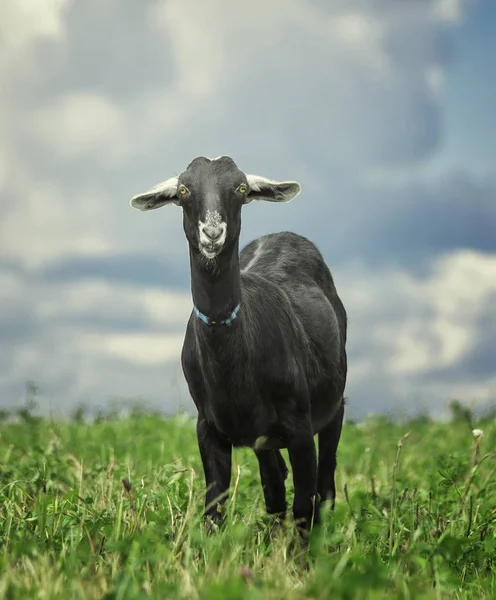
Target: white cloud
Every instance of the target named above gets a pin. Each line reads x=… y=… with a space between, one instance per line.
x=43 y=224
x=457 y=293
x=407 y=327
x=76 y=350
x=135 y=348
x=450 y=11
x=96 y=298
x=25 y=21
x=80 y=123
x=87 y=124
x=23 y=24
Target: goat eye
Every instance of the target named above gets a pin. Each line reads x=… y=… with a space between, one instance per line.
x=242 y=189
x=182 y=191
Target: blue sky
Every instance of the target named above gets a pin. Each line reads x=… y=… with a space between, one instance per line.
x=470 y=118
x=382 y=111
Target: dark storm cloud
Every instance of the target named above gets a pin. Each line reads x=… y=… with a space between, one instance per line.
x=17 y=325
x=428 y=221
x=142 y=270
x=406 y=227
x=481 y=361
x=137 y=323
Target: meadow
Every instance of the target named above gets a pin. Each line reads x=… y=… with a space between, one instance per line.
x=111 y=508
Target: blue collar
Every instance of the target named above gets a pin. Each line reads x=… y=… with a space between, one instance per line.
x=209 y=321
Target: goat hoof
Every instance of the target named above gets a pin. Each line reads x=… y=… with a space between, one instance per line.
x=212 y=526
x=213 y=520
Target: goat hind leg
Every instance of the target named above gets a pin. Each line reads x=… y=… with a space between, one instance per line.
x=303 y=459
x=329 y=438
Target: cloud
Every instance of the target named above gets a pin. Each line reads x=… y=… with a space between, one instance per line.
x=409 y=335
x=412 y=338
x=405 y=223
x=144 y=269
x=345 y=96
x=370 y=79
x=101 y=131
x=20 y=28
x=91 y=340
x=109 y=117
x=371 y=94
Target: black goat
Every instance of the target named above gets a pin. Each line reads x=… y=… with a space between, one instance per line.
x=264 y=354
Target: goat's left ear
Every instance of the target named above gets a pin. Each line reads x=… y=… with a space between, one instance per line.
x=160 y=195
x=262 y=188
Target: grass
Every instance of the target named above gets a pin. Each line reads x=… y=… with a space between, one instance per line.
x=111 y=509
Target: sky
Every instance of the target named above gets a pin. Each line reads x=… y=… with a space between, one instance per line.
x=382 y=110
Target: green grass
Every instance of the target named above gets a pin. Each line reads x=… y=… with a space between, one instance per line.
x=414 y=519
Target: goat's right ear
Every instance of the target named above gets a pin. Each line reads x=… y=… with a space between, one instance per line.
x=161 y=194
x=262 y=188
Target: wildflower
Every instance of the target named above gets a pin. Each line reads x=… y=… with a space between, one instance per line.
x=477 y=433
x=245 y=573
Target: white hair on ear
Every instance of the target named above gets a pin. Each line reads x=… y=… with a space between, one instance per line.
x=157 y=196
x=286 y=190
x=257 y=182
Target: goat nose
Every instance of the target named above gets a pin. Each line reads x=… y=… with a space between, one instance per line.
x=213 y=233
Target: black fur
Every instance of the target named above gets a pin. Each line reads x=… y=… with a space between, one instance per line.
x=276 y=376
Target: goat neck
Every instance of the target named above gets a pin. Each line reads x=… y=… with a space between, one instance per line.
x=215 y=284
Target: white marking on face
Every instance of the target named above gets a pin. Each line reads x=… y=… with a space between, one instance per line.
x=214 y=223
x=212 y=218
x=254 y=258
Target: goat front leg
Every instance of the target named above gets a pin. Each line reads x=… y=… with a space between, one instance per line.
x=303 y=458
x=216 y=455
x=273 y=472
